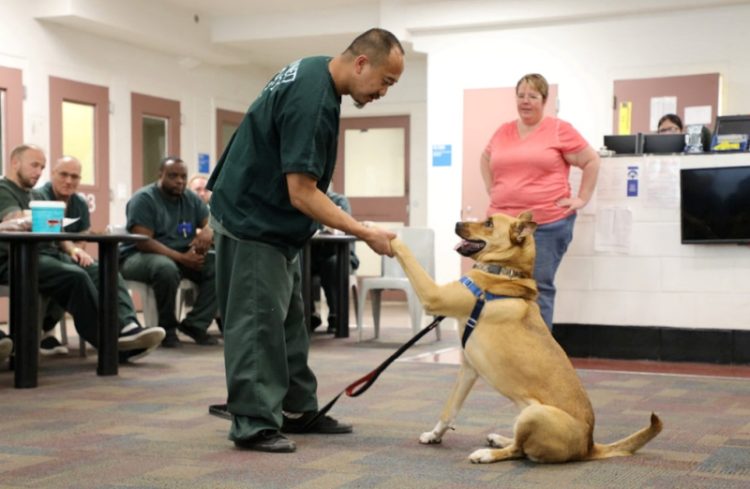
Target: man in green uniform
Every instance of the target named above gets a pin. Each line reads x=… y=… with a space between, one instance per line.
x=65 y=177
x=268 y=191
x=60 y=278
x=179 y=247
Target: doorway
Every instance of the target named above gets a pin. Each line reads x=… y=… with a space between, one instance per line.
x=11 y=113
x=79 y=127
x=155 y=135
x=372 y=170
x=227 y=122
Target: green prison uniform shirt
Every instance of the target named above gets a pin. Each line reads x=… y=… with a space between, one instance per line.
x=174 y=221
x=13 y=198
x=292 y=127
x=76 y=207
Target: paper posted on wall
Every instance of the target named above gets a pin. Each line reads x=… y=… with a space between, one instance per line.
x=614 y=228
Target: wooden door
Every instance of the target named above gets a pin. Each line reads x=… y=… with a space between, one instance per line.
x=155 y=135
x=79 y=127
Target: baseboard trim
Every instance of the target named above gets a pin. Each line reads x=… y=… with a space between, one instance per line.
x=722 y=346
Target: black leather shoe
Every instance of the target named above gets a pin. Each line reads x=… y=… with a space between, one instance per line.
x=325 y=425
x=198 y=335
x=267 y=441
x=171 y=340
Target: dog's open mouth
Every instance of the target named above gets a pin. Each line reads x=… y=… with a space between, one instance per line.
x=468 y=247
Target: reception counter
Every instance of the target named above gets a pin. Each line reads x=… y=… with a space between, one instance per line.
x=627 y=268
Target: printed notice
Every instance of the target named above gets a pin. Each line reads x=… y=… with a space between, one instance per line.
x=441 y=155
x=614 y=226
x=659 y=107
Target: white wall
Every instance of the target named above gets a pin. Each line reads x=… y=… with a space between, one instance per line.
x=583 y=58
x=41 y=49
x=46 y=49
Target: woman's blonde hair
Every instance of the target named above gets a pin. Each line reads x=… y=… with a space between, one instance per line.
x=537 y=82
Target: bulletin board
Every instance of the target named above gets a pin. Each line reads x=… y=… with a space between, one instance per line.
x=695 y=98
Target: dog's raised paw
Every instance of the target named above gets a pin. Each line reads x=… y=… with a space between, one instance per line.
x=429 y=437
x=482 y=456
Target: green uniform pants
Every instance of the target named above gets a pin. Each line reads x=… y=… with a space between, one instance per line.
x=265 y=340
x=164 y=275
x=125 y=310
x=69 y=285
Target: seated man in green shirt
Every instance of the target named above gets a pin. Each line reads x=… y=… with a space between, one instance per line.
x=60 y=278
x=176 y=221
x=63 y=186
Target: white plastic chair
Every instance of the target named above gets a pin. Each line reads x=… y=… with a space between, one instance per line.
x=421 y=241
x=146 y=292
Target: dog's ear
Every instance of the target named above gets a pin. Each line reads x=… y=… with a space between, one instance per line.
x=525 y=216
x=522 y=228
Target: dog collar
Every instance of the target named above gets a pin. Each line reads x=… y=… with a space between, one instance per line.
x=500 y=270
x=482 y=297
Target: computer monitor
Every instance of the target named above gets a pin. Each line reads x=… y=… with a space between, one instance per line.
x=715 y=204
x=624 y=144
x=732 y=124
x=657 y=144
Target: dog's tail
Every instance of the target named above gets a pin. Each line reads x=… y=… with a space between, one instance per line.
x=627 y=446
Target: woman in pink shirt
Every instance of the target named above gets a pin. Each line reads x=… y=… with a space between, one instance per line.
x=525 y=167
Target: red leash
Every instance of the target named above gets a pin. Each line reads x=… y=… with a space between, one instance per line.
x=356 y=388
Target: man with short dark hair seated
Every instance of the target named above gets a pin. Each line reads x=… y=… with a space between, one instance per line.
x=60 y=277
x=180 y=241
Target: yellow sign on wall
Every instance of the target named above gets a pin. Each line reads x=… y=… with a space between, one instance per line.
x=626 y=112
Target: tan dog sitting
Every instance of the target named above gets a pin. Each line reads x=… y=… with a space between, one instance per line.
x=512 y=349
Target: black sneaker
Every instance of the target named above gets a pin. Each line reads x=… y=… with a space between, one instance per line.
x=51 y=346
x=198 y=335
x=6 y=346
x=171 y=340
x=324 y=425
x=267 y=441
x=332 y=325
x=133 y=355
x=136 y=337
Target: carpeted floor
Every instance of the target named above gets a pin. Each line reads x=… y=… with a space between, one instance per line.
x=149 y=428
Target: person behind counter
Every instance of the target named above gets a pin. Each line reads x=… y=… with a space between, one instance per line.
x=669 y=124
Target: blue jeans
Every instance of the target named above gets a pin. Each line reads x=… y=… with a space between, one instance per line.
x=552 y=242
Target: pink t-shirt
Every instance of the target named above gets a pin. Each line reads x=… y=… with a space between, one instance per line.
x=531 y=174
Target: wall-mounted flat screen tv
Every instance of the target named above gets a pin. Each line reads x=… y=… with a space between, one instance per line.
x=715 y=204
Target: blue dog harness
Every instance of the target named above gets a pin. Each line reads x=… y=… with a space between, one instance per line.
x=482 y=297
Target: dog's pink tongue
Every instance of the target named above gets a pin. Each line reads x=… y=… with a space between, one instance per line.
x=461 y=245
